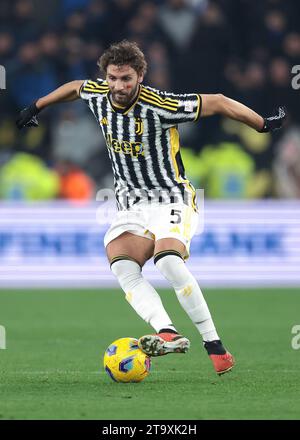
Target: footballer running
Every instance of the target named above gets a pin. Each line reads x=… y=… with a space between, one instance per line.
x=157 y=210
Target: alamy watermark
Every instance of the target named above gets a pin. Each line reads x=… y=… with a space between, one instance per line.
x=133 y=203
x=2 y=77
x=296 y=78
x=296 y=338
x=2 y=338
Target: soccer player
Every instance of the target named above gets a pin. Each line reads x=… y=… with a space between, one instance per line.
x=157 y=213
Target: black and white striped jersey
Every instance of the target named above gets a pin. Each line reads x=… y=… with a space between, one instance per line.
x=143 y=143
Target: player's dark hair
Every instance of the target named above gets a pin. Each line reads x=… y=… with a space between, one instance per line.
x=122 y=53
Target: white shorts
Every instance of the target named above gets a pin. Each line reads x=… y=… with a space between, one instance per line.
x=155 y=222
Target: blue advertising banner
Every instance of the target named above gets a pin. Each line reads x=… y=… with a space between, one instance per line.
x=61 y=245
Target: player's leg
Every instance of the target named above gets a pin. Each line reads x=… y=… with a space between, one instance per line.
x=168 y=258
x=174 y=225
x=127 y=254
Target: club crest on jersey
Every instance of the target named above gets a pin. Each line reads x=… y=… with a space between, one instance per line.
x=139 y=126
x=134 y=149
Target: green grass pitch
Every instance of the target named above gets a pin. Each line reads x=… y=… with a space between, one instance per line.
x=52 y=366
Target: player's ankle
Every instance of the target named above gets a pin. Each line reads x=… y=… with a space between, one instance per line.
x=214 y=347
x=168 y=330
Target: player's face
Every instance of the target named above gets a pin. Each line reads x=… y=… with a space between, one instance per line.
x=123 y=82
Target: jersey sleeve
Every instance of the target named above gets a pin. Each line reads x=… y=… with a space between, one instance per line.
x=174 y=108
x=91 y=89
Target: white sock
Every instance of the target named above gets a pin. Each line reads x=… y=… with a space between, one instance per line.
x=141 y=295
x=189 y=294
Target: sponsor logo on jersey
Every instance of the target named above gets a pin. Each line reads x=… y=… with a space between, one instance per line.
x=132 y=148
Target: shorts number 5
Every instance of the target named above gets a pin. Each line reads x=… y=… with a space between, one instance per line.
x=177 y=214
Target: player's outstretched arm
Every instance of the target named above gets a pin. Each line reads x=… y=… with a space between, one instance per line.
x=65 y=93
x=220 y=104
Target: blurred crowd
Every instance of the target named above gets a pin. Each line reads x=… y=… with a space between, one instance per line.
x=243 y=49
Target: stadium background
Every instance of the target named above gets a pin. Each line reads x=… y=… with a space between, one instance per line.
x=239 y=48
x=55 y=338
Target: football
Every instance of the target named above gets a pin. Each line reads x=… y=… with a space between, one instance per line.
x=125 y=362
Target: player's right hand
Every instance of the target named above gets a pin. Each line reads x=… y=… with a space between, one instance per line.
x=27 y=117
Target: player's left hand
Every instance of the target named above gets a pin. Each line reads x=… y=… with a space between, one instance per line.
x=274 y=122
x=27 y=117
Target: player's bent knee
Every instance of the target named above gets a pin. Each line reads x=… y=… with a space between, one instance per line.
x=167 y=244
x=131 y=246
x=163 y=254
x=123 y=257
